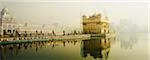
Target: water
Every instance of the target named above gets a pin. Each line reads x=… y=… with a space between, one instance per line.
x=125 y=47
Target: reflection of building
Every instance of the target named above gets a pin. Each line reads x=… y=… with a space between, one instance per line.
x=95 y=24
x=9 y=26
x=12 y=50
x=98 y=48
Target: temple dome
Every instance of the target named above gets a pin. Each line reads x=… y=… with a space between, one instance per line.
x=5 y=10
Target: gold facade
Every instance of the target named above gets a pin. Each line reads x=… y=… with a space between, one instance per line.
x=95 y=24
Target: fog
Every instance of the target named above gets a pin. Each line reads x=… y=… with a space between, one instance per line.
x=70 y=13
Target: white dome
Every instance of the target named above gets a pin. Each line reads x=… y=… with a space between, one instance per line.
x=5 y=10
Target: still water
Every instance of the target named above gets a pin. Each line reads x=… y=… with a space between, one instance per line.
x=127 y=47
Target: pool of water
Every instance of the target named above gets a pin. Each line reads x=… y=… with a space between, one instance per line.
x=125 y=47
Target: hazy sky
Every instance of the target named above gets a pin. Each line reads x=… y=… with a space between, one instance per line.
x=36 y=12
x=75 y=0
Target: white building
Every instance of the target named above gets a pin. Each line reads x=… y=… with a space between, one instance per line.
x=8 y=25
x=7 y=22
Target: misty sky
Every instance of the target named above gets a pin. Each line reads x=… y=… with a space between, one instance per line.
x=70 y=13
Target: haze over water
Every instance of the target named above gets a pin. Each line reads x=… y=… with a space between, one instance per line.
x=128 y=20
x=124 y=48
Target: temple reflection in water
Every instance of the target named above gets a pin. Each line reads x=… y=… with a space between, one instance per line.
x=96 y=47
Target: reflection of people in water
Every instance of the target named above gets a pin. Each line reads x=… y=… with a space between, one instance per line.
x=26 y=46
x=98 y=48
x=64 y=43
x=11 y=50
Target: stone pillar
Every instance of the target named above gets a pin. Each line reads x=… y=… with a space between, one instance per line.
x=1 y=31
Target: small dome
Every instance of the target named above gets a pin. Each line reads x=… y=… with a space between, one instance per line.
x=4 y=10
